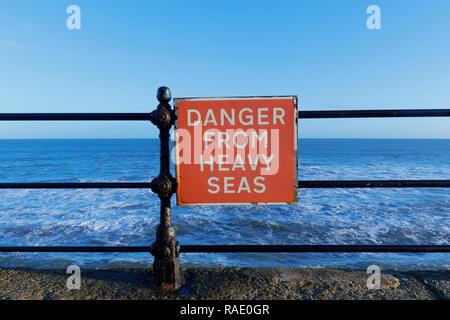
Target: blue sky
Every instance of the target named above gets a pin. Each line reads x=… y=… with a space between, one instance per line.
x=319 y=50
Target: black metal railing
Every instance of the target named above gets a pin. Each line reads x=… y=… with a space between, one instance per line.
x=302 y=184
x=166 y=249
x=386 y=113
x=242 y=248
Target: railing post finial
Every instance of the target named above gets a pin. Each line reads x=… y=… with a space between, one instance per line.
x=164 y=95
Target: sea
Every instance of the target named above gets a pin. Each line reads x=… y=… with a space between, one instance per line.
x=110 y=217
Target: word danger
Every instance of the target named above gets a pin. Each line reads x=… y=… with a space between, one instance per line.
x=243 y=117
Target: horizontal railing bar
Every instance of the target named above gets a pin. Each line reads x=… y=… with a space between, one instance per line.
x=74 y=116
x=243 y=248
x=313 y=248
x=305 y=184
x=399 y=113
x=391 y=113
x=79 y=185
x=78 y=249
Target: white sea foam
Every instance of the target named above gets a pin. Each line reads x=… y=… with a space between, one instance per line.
x=323 y=216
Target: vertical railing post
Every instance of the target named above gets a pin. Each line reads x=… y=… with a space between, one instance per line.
x=166 y=249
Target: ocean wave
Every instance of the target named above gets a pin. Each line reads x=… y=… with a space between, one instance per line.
x=323 y=216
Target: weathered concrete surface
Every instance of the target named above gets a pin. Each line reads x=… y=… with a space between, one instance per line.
x=226 y=283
